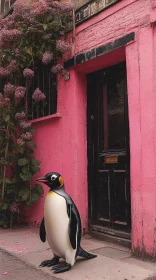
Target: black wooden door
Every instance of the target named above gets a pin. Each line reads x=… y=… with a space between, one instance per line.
x=108 y=149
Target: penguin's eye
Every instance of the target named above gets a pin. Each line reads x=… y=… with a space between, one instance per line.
x=53 y=177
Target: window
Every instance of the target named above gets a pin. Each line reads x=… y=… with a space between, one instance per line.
x=5 y=6
x=46 y=82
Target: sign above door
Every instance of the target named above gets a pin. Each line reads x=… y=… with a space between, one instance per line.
x=92 y=8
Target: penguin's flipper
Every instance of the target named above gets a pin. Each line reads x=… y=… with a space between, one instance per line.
x=72 y=226
x=42 y=231
x=82 y=253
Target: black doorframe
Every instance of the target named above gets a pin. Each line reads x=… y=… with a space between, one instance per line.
x=92 y=150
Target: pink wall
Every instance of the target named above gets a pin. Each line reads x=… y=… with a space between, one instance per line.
x=141 y=67
x=62 y=144
x=117 y=20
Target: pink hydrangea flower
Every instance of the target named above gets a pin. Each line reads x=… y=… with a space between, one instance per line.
x=13 y=67
x=10 y=35
x=14 y=208
x=38 y=95
x=7 y=22
x=26 y=136
x=63 y=7
x=40 y=8
x=47 y=58
x=17 y=52
x=62 y=33
x=20 y=92
x=24 y=124
x=62 y=46
x=20 y=116
x=1 y=43
x=57 y=69
x=20 y=8
x=28 y=73
x=4 y=101
x=4 y=72
x=20 y=142
x=8 y=90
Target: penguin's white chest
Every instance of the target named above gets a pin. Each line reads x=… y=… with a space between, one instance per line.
x=56 y=225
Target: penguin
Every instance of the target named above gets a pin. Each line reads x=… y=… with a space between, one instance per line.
x=61 y=225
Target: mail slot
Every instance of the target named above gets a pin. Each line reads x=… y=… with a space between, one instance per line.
x=111 y=159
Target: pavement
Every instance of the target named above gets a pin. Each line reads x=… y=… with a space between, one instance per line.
x=15 y=269
x=23 y=247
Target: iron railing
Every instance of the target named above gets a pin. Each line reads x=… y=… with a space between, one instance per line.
x=46 y=82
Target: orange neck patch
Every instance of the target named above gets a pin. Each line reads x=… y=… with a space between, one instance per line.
x=61 y=181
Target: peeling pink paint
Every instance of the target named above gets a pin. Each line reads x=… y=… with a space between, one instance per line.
x=61 y=141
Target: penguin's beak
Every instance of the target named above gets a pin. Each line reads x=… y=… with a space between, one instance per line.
x=42 y=180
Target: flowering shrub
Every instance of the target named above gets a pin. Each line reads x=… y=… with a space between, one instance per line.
x=47 y=58
x=28 y=73
x=30 y=34
x=38 y=95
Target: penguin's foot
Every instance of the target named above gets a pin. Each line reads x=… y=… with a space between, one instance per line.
x=59 y=269
x=52 y=262
x=86 y=255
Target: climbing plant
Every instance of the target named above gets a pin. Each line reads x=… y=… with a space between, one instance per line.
x=33 y=32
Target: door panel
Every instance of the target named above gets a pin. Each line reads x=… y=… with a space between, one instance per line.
x=108 y=148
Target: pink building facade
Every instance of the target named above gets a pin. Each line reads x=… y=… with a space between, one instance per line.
x=122 y=34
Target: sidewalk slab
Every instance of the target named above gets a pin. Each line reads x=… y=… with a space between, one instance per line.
x=112 y=263
x=21 y=242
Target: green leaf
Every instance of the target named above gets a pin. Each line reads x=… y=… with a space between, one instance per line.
x=2 y=138
x=34 y=197
x=48 y=17
x=5 y=206
x=35 y=169
x=4 y=161
x=1 y=222
x=25 y=169
x=25 y=196
x=7 y=118
x=11 y=191
x=28 y=203
x=45 y=26
x=21 y=150
x=39 y=189
x=10 y=181
x=35 y=162
x=26 y=177
x=32 y=144
x=32 y=130
x=22 y=161
x=21 y=193
x=29 y=51
x=29 y=151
